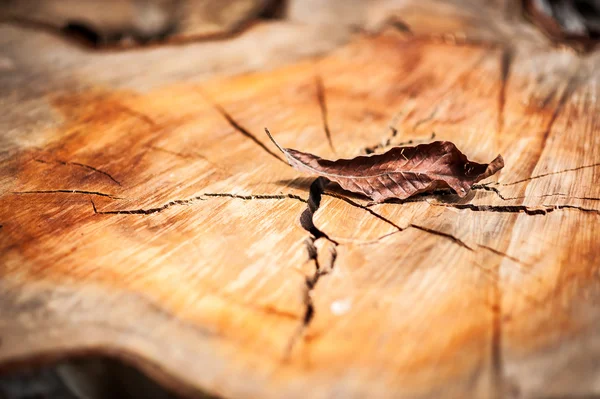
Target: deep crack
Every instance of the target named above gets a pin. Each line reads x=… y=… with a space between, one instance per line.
x=306 y=221
x=202 y=197
x=149 y=210
x=256 y=196
x=489 y=188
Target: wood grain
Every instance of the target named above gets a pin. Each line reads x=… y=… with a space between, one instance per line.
x=146 y=216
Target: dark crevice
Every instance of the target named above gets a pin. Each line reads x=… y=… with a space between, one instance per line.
x=83 y=33
x=82 y=166
x=310 y=284
x=549 y=174
x=371 y=149
x=314 y=201
x=449 y=236
x=498 y=208
x=506 y=60
x=578 y=208
x=64 y=191
x=323 y=107
x=489 y=188
x=239 y=128
x=256 y=196
x=306 y=221
x=202 y=197
x=149 y=210
x=274 y=9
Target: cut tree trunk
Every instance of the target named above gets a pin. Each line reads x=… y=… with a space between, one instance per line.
x=146 y=216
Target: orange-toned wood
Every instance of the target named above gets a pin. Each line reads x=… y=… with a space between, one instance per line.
x=145 y=215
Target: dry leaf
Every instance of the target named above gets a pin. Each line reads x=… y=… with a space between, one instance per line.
x=400 y=172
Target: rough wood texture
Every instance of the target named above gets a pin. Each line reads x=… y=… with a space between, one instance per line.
x=146 y=215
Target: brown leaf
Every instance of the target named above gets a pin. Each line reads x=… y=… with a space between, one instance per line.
x=399 y=173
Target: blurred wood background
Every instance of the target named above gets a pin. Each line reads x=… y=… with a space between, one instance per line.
x=148 y=224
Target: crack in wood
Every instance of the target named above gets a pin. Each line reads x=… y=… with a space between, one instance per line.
x=202 y=197
x=565 y=96
x=65 y=191
x=425 y=120
x=306 y=221
x=449 y=236
x=139 y=115
x=96 y=170
x=372 y=212
x=506 y=59
x=257 y=196
x=148 y=211
x=488 y=188
x=543 y=210
x=503 y=254
x=240 y=129
x=502 y=197
x=549 y=174
x=323 y=107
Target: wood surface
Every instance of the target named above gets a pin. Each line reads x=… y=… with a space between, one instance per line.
x=146 y=216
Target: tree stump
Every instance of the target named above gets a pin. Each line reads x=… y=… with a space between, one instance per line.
x=146 y=216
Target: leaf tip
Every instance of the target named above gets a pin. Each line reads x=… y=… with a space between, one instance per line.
x=274 y=142
x=496 y=164
x=492 y=168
